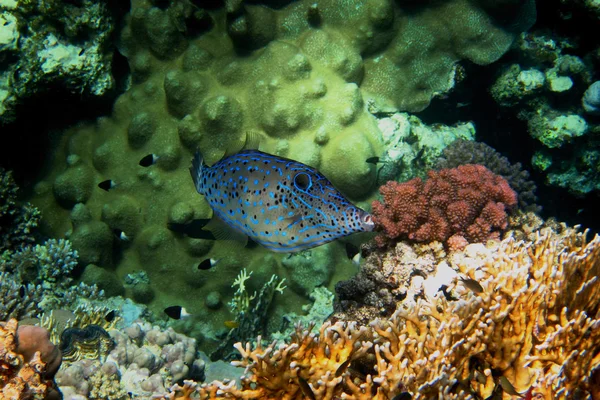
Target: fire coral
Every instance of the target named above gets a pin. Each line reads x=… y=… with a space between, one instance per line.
x=536 y=325
x=455 y=206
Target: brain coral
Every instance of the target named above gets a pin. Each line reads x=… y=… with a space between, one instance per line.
x=297 y=76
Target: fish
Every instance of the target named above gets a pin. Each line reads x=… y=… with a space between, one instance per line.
x=107 y=185
x=508 y=387
x=306 y=390
x=110 y=316
x=342 y=368
x=402 y=396
x=207 y=264
x=373 y=160
x=192 y=229
x=22 y=291
x=353 y=253
x=281 y=204
x=176 y=312
x=148 y=160
x=473 y=285
x=121 y=235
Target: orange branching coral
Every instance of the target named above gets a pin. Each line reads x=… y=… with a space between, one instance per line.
x=19 y=379
x=535 y=329
x=535 y=324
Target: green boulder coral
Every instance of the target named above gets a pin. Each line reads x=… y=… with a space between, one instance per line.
x=298 y=77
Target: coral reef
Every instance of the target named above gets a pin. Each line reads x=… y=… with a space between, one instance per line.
x=52 y=44
x=549 y=85
x=28 y=362
x=38 y=279
x=145 y=360
x=250 y=311
x=209 y=79
x=455 y=206
x=591 y=99
x=461 y=152
x=412 y=147
x=531 y=331
x=17 y=222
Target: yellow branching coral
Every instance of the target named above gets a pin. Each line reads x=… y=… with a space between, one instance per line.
x=533 y=329
x=535 y=324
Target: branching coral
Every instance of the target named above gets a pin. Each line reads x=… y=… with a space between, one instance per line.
x=250 y=312
x=534 y=328
x=459 y=205
x=17 y=222
x=462 y=152
x=38 y=278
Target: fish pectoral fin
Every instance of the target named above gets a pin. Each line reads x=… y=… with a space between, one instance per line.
x=293 y=220
x=222 y=231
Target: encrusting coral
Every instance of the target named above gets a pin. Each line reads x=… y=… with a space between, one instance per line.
x=533 y=329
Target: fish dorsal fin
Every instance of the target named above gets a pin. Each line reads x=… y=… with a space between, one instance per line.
x=196 y=170
x=251 y=142
x=222 y=231
x=253 y=139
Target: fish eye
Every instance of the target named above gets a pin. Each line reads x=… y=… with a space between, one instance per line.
x=302 y=181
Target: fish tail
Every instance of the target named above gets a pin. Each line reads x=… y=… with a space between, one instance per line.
x=196 y=170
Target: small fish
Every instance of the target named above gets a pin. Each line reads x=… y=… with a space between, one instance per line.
x=121 y=235
x=110 y=316
x=176 y=312
x=402 y=396
x=107 y=185
x=22 y=291
x=281 y=204
x=231 y=324
x=306 y=390
x=473 y=285
x=207 y=264
x=508 y=387
x=479 y=377
x=373 y=160
x=192 y=229
x=149 y=160
x=353 y=253
x=342 y=368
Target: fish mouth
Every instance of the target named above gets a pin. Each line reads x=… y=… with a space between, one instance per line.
x=365 y=219
x=367 y=222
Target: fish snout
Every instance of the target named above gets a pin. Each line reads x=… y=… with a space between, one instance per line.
x=364 y=219
x=367 y=222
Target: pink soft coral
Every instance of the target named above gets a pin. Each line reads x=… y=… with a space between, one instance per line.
x=467 y=203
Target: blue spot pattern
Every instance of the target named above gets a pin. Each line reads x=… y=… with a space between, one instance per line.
x=282 y=204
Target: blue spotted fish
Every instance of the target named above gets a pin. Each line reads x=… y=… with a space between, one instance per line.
x=282 y=204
